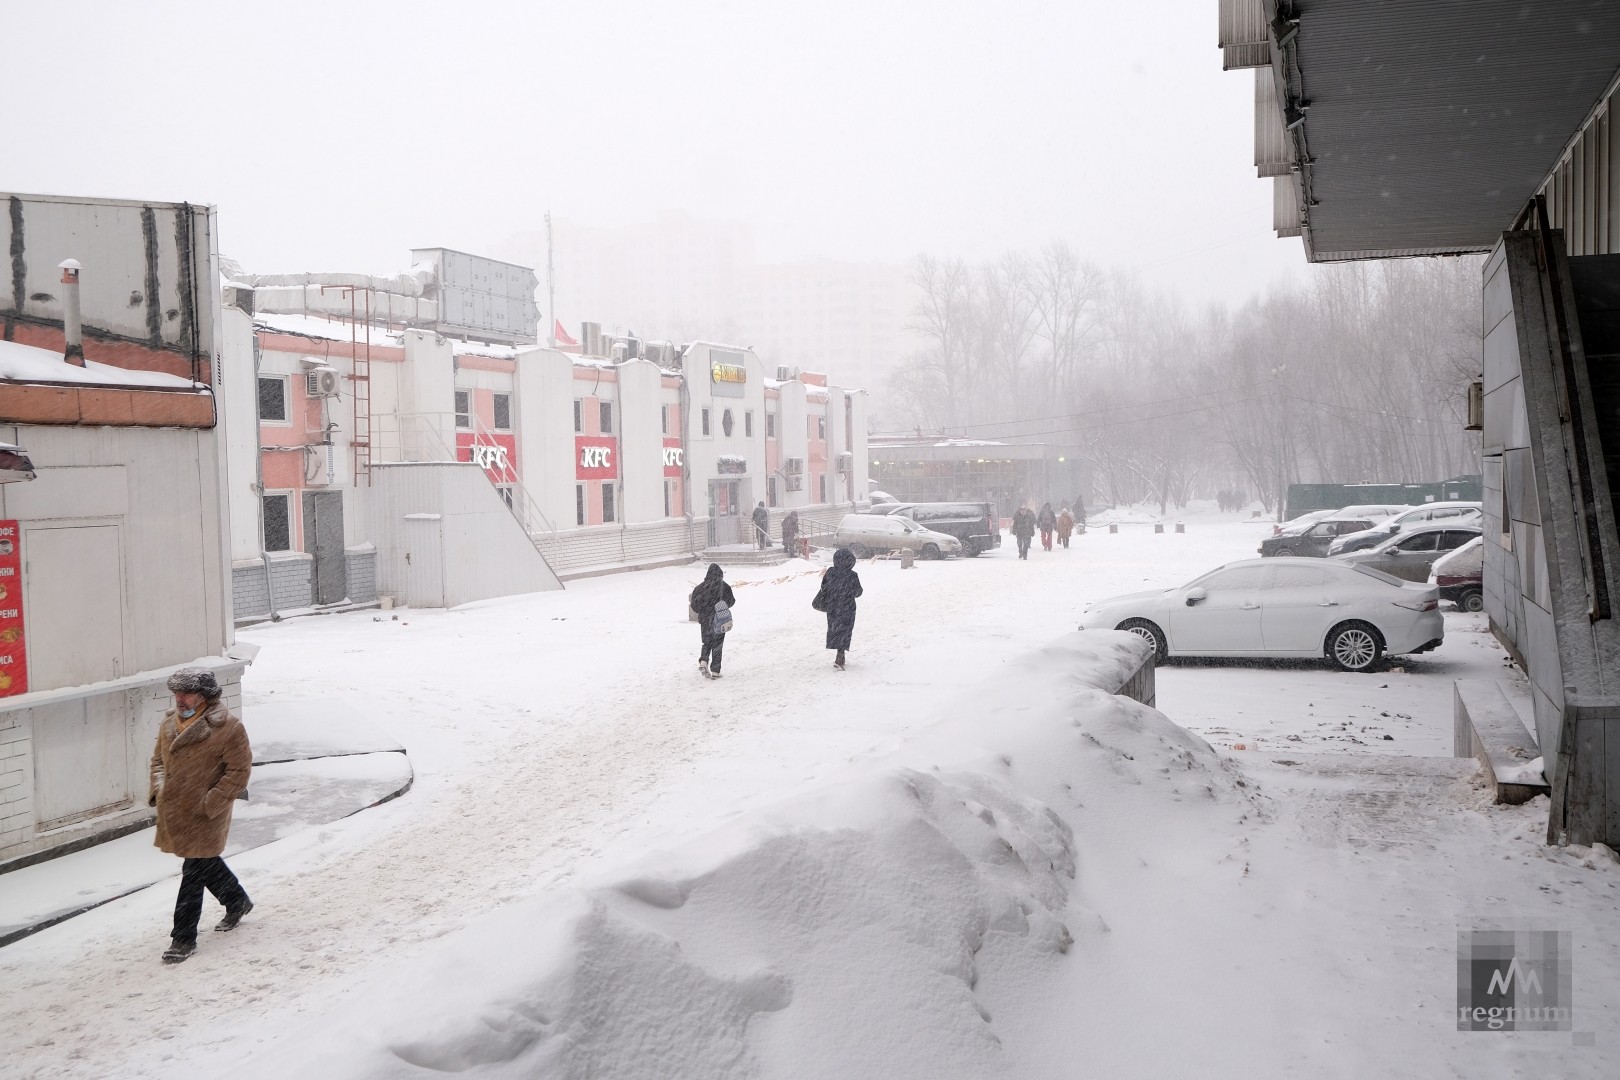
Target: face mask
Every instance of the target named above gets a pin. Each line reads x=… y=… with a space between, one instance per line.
x=187 y=714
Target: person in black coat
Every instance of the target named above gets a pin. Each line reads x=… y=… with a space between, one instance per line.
x=1023 y=527
x=790 y=533
x=711 y=591
x=762 y=527
x=840 y=586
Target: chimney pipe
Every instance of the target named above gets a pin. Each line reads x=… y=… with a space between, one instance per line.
x=73 y=344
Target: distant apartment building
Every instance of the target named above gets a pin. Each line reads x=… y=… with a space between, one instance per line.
x=681 y=278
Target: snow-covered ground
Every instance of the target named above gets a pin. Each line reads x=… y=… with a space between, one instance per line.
x=956 y=859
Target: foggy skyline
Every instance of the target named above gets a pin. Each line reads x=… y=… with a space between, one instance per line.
x=338 y=138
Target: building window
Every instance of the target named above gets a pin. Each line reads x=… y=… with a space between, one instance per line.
x=579 y=504
x=273 y=399
x=506 y=494
x=503 y=412
x=579 y=417
x=770 y=490
x=669 y=498
x=726 y=422
x=463 y=408
x=705 y=415
x=607 y=500
x=606 y=409
x=278 y=523
x=770 y=425
x=821 y=427
x=821 y=488
x=748 y=424
x=663 y=418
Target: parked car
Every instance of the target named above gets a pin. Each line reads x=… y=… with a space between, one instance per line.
x=1460 y=575
x=973 y=523
x=1299 y=524
x=1460 y=513
x=1410 y=554
x=1314 y=540
x=1351 y=614
x=866 y=534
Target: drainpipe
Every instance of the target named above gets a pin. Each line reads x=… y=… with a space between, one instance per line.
x=258 y=489
x=72 y=332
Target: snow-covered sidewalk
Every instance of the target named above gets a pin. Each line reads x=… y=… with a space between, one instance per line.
x=1229 y=915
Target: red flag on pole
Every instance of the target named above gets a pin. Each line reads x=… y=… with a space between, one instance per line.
x=562 y=335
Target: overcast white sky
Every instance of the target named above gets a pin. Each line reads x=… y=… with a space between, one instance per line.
x=339 y=135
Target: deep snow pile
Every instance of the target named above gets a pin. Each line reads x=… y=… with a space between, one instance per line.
x=840 y=933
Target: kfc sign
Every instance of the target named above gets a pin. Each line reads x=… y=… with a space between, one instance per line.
x=495 y=454
x=596 y=457
x=674 y=458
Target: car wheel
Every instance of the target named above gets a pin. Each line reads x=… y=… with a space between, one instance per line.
x=1151 y=634
x=930 y=551
x=1283 y=553
x=860 y=551
x=1472 y=600
x=971 y=550
x=1355 y=646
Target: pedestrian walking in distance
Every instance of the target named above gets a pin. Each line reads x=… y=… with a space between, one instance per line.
x=1047 y=522
x=840 y=587
x=1023 y=527
x=706 y=599
x=199 y=769
x=790 y=533
x=1065 y=524
x=762 y=526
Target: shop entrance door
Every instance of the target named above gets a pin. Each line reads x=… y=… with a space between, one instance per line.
x=725 y=512
x=323 y=539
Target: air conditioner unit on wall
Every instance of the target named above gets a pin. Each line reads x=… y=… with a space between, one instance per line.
x=793 y=483
x=323 y=382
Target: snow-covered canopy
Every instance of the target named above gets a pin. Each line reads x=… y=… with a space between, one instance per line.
x=31 y=364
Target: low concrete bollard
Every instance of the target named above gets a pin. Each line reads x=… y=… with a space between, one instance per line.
x=1158 y=526
x=1113 y=527
x=908 y=559
x=1180 y=527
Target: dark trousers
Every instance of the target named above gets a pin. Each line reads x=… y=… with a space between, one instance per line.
x=762 y=537
x=713 y=644
x=1023 y=546
x=196 y=875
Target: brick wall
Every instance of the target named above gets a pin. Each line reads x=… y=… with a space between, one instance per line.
x=16 y=781
x=362 y=576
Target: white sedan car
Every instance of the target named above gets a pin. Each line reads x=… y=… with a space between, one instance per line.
x=1281 y=607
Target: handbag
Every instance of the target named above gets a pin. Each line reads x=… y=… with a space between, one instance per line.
x=819 y=603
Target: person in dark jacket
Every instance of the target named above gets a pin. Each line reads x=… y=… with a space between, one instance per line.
x=840 y=586
x=1023 y=527
x=790 y=533
x=711 y=591
x=762 y=526
x=200 y=766
x=1047 y=522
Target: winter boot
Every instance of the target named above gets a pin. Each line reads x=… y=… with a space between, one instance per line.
x=233 y=916
x=178 y=951
x=714 y=674
x=838 y=661
x=703 y=666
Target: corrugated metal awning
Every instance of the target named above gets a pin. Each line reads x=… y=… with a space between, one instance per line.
x=1428 y=125
x=1272 y=156
x=1245 y=38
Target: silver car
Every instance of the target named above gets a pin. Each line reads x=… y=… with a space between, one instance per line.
x=1440 y=513
x=1409 y=555
x=867 y=534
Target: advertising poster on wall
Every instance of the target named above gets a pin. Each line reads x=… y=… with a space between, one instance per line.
x=674 y=458
x=13 y=646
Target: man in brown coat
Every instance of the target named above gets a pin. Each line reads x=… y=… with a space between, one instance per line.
x=200 y=767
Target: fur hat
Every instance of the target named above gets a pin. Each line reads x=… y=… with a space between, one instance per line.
x=194 y=680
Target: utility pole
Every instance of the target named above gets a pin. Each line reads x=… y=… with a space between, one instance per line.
x=551 y=290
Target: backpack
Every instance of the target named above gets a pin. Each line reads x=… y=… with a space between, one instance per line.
x=722 y=618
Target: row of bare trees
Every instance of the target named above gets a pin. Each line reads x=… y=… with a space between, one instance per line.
x=1358 y=374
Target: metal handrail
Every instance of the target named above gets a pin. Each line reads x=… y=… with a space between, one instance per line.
x=419 y=439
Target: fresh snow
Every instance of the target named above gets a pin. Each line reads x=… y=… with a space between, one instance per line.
x=31 y=364
x=959 y=859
